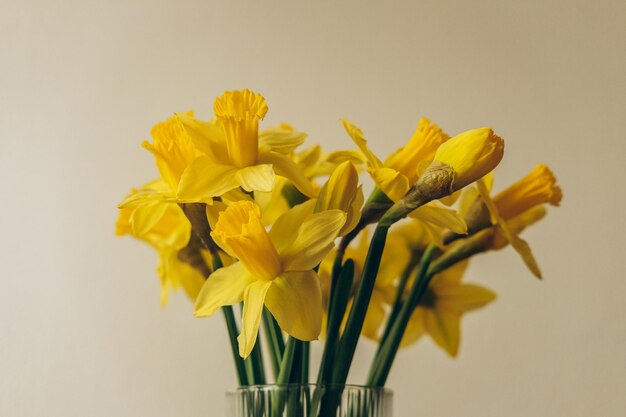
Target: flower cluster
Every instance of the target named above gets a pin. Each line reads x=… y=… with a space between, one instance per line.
x=244 y=216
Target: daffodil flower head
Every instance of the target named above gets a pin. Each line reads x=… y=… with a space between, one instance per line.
x=471 y=154
x=536 y=188
x=240 y=112
x=164 y=227
x=442 y=307
x=172 y=148
x=234 y=154
x=275 y=269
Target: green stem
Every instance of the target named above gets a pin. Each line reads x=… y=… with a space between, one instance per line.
x=358 y=311
x=384 y=360
x=340 y=288
x=284 y=375
x=256 y=356
x=397 y=302
x=286 y=363
x=275 y=341
x=231 y=325
x=296 y=366
x=306 y=363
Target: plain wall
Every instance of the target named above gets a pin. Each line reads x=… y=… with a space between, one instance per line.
x=82 y=83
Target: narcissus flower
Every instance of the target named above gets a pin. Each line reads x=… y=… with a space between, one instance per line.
x=395 y=177
x=275 y=269
x=401 y=169
x=442 y=307
x=167 y=230
x=235 y=155
x=514 y=208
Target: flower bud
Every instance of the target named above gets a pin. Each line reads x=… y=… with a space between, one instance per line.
x=343 y=192
x=471 y=154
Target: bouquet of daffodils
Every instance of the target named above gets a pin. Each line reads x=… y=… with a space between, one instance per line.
x=282 y=239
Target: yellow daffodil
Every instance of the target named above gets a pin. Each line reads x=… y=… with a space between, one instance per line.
x=235 y=155
x=275 y=269
x=444 y=303
x=396 y=175
x=167 y=230
x=537 y=188
x=174 y=152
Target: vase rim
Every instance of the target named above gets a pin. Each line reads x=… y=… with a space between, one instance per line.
x=261 y=387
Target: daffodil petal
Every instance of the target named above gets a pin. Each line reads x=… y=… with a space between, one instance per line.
x=283 y=232
x=452 y=198
x=204 y=179
x=468 y=197
x=314 y=240
x=285 y=167
x=487 y=180
x=207 y=137
x=357 y=136
x=531 y=216
x=337 y=157
x=462 y=298
x=184 y=275
x=213 y=211
x=281 y=140
x=452 y=275
x=145 y=196
x=444 y=327
x=415 y=329
x=253 y=300
x=145 y=216
x=223 y=287
x=295 y=300
x=520 y=245
x=354 y=215
x=374 y=319
x=523 y=249
x=393 y=183
x=443 y=217
x=256 y=178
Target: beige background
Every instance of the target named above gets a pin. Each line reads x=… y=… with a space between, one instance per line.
x=81 y=83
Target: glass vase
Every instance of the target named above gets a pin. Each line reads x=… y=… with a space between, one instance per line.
x=309 y=401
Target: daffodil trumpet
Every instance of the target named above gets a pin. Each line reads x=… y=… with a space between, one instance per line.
x=537 y=188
